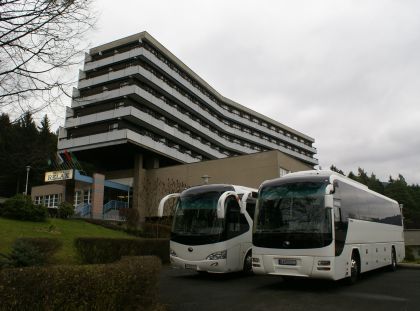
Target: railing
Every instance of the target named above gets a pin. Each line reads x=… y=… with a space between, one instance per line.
x=114 y=205
x=83 y=209
x=111 y=210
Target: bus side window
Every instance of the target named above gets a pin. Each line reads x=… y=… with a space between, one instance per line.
x=337 y=210
x=236 y=223
x=250 y=208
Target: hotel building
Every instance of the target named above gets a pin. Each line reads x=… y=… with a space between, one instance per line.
x=137 y=107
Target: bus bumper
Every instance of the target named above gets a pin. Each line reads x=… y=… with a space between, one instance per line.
x=297 y=266
x=211 y=266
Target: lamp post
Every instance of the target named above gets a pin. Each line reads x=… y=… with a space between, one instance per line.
x=205 y=179
x=27 y=175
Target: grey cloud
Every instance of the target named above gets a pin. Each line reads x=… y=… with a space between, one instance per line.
x=344 y=72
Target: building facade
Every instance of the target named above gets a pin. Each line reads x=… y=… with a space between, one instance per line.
x=138 y=107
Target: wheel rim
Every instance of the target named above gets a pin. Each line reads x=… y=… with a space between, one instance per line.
x=354 y=268
x=248 y=263
x=394 y=260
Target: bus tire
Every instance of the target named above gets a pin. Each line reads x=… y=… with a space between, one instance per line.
x=354 y=268
x=247 y=269
x=393 y=266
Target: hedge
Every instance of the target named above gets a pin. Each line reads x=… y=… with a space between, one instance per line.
x=30 y=252
x=130 y=284
x=412 y=253
x=148 y=230
x=21 y=207
x=105 y=250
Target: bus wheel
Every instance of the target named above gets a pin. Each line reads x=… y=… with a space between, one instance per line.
x=248 y=263
x=393 y=260
x=354 y=269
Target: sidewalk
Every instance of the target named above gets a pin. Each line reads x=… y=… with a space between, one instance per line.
x=409 y=265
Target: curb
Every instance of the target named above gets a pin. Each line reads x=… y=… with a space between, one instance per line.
x=409 y=265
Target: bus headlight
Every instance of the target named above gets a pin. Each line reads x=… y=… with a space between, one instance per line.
x=172 y=253
x=217 y=255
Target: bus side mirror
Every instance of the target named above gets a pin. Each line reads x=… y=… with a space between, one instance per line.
x=329 y=189
x=329 y=201
x=243 y=201
x=163 y=201
x=222 y=201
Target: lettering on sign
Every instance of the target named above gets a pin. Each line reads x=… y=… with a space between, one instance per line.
x=58 y=175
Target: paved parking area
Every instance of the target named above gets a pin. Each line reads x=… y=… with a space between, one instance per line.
x=379 y=290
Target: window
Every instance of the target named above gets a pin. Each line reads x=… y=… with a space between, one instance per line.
x=51 y=200
x=77 y=197
x=86 y=196
x=113 y=126
x=118 y=105
x=236 y=223
x=283 y=172
x=38 y=200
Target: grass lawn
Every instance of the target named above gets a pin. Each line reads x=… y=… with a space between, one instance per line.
x=64 y=230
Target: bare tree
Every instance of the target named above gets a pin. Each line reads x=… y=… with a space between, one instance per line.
x=39 y=40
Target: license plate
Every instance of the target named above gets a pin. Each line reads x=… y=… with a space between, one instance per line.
x=287 y=262
x=190 y=267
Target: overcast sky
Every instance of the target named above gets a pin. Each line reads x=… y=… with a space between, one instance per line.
x=346 y=73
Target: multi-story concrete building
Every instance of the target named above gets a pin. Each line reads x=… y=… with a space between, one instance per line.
x=137 y=106
x=133 y=91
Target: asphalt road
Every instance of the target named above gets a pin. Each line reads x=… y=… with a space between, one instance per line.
x=379 y=290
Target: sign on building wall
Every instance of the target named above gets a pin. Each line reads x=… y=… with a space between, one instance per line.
x=58 y=175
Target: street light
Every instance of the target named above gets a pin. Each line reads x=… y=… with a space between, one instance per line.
x=205 y=179
x=27 y=175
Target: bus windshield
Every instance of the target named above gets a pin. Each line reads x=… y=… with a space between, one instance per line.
x=196 y=215
x=294 y=212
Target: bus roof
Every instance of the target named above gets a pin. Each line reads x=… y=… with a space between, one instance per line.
x=332 y=176
x=218 y=187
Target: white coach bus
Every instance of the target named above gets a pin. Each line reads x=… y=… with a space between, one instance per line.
x=212 y=228
x=320 y=224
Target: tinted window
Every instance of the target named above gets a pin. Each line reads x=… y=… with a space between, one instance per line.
x=359 y=204
x=236 y=223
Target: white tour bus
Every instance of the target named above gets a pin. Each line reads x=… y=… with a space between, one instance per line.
x=212 y=228
x=320 y=224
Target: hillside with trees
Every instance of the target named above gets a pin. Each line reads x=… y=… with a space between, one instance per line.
x=23 y=143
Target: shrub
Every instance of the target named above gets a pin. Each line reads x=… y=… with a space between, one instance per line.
x=131 y=284
x=132 y=217
x=104 y=250
x=156 y=230
x=409 y=254
x=21 y=207
x=148 y=230
x=30 y=252
x=65 y=210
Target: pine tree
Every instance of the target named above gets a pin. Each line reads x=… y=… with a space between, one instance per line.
x=22 y=144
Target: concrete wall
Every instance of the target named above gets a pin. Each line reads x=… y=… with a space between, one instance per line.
x=46 y=190
x=412 y=237
x=247 y=170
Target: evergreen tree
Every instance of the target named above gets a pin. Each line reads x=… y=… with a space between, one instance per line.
x=362 y=177
x=375 y=184
x=22 y=144
x=335 y=169
x=352 y=176
x=399 y=191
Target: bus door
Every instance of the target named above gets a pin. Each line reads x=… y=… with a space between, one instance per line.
x=238 y=233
